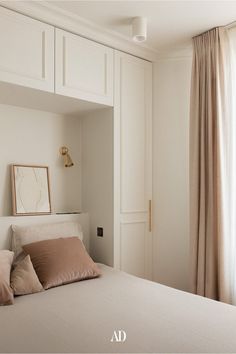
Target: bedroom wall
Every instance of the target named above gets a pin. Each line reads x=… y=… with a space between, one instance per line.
x=97 y=181
x=170 y=172
x=34 y=137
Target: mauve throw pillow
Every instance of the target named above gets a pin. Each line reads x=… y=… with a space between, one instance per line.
x=6 y=294
x=61 y=261
x=24 y=279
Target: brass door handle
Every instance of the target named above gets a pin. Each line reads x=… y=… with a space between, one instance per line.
x=150 y=216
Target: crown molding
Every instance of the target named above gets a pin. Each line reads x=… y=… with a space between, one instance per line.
x=49 y=13
x=177 y=54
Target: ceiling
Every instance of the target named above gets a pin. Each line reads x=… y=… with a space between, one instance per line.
x=171 y=24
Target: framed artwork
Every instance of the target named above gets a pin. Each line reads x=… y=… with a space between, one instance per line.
x=30 y=190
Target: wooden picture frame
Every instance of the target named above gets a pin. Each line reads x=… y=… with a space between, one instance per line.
x=30 y=190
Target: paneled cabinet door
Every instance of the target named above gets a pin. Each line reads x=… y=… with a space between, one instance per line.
x=133 y=165
x=84 y=69
x=27 y=51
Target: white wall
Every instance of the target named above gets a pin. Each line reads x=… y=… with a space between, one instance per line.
x=34 y=137
x=97 y=181
x=170 y=172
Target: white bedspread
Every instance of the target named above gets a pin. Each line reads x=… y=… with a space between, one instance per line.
x=82 y=317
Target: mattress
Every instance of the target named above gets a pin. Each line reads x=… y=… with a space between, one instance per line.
x=83 y=317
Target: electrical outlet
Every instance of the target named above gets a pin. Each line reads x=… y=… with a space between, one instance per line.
x=100 y=231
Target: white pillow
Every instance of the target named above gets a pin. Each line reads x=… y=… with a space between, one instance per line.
x=22 y=235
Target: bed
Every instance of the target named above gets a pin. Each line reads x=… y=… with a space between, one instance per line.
x=81 y=318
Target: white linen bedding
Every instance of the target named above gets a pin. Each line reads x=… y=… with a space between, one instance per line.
x=81 y=317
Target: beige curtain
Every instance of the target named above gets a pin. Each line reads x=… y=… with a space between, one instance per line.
x=209 y=162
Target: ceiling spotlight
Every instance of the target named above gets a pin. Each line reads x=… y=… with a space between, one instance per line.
x=139 y=27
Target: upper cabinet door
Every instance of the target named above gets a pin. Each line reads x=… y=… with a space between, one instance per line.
x=84 y=69
x=27 y=51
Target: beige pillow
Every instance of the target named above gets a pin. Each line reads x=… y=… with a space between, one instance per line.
x=22 y=235
x=61 y=261
x=24 y=280
x=6 y=294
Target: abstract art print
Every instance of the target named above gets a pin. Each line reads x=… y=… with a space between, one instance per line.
x=30 y=190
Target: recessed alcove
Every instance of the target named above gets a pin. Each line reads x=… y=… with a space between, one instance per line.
x=33 y=126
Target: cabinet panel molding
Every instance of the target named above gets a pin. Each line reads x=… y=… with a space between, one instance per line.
x=84 y=69
x=28 y=55
x=133 y=248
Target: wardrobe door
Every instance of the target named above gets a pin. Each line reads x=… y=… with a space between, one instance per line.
x=132 y=165
x=84 y=69
x=27 y=51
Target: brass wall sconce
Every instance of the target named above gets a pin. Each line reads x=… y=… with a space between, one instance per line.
x=64 y=151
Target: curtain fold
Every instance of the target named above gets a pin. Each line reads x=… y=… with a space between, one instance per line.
x=211 y=167
x=232 y=104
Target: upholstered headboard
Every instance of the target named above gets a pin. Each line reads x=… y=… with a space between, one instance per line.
x=7 y=221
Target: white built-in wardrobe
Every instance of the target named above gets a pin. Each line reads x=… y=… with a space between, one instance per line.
x=47 y=68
